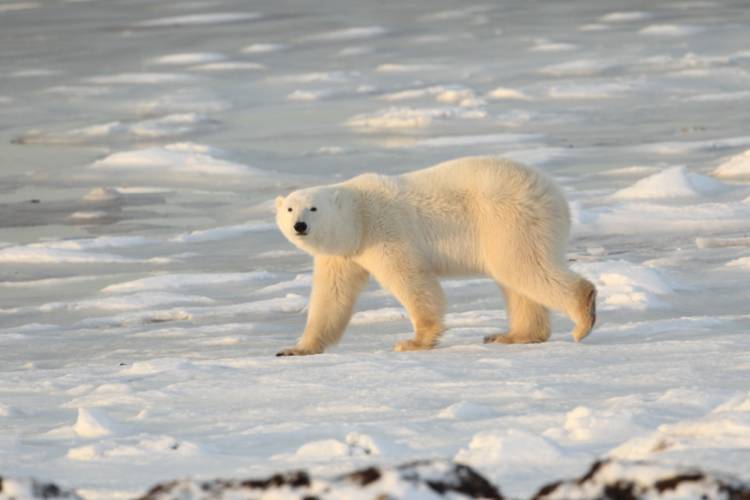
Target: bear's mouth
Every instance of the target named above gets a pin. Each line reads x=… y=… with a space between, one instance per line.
x=302 y=233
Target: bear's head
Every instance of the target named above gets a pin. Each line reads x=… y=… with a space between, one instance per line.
x=320 y=220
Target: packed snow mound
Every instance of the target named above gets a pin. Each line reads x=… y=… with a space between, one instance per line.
x=399 y=118
x=93 y=423
x=672 y=183
x=418 y=480
x=724 y=427
x=586 y=424
x=182 y=58
x=180 y=281
x=609 y=479
x=465 y=410
x=670 y=30
x=742 y=263
x=736 y=166
x=354 y=445
x=621 y=284
x=509 y=448
x=146 y=447
x=198 y=19
x=177 y=158
x=347 y=34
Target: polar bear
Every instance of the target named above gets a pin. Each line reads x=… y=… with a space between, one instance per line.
x=476 y=215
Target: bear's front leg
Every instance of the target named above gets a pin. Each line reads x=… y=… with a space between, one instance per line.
x=337 y=282
x=419 y=291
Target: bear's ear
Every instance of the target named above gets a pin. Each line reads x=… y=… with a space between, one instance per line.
x=279 y=202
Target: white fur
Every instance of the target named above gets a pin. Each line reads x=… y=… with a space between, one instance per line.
x=466 y=216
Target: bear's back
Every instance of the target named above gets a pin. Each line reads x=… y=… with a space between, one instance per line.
x=484 y=176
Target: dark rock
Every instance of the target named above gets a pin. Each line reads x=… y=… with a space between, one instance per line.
x=622 y=480
x=425 y=479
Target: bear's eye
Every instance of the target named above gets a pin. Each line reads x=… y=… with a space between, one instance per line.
x=314 y=209
x=289 y=209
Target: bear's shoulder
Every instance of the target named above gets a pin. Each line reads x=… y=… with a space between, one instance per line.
x=373 y=182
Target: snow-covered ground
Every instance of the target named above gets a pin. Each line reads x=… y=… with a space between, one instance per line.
x=144 y=289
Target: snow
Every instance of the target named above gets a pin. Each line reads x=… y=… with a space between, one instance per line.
x=670 y=30
x=501 y=93
x=93 y=423
x=673 y=182
x=409 y=118
x=347 y=34
x=178 y=281
x=586 y=91
x=222 y=233
x=11 y=7
x=144 y=287
x=37 y=255
x=171 y=125
x=198 y=19
x=229 y=66
x=405 y=68
x=141 y=78
x=176 y=158
x=625 y=17
x=582 y=67
x=465 y=410
x=473 y=140
x=624 y=285
x=188 y=58
x=509 y=448
x=737 y=166
x=742 y=263
x=263 y=48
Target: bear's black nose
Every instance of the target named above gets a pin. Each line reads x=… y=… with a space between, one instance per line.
x=300 y=227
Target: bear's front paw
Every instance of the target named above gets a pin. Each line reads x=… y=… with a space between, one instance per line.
x=410 y=345
x=500 y=338
x=295 y=351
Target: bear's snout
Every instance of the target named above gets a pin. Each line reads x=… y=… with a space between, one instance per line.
x=300 y=227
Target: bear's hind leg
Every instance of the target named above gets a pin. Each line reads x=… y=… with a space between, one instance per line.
x=528 y=321
x=561 y=290
x=583 y=312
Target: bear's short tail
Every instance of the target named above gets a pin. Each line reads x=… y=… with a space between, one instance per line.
x=585 y=313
